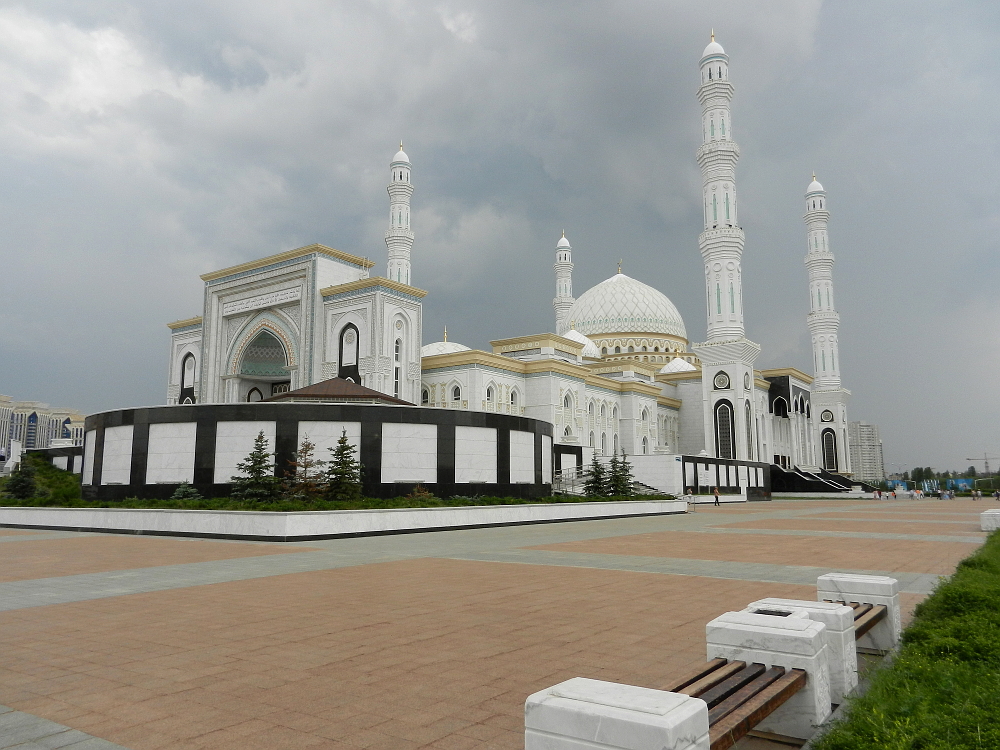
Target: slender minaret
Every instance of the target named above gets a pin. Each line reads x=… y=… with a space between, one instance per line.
x=829 y=398
x=727 y=356
x=399 y=238
x=563 y=301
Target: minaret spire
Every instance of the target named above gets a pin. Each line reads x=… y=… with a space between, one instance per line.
x=727 y=356
x=399 y=238
x=562 y=303
x=829 y=397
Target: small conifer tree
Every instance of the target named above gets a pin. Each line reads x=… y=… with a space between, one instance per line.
x=620 y=477
x=611 y=481
x=305 y=477
x=343 y=473
x=185 y=491
x=258 y=483
x=21 y=482
x=596 y=484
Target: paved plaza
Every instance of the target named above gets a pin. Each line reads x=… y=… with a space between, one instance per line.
x=407 y=641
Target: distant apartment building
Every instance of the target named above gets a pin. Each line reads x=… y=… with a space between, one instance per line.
x=866 y=451
x=33 y=424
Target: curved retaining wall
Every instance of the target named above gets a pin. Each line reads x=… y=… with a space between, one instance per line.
x=148 y=452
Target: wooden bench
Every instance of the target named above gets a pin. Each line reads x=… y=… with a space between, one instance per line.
x=739 y=696
x=866 y=616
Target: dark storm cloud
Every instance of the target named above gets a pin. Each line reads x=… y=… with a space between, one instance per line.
x=144 y=144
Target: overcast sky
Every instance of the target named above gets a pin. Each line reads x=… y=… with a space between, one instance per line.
x=142 y=144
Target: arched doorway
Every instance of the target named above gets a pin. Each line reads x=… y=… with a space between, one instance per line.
x=187 y=379
x=264 y=364
x=829 y=450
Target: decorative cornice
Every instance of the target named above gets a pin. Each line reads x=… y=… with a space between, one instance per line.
x=300 y=252
x=353 y=286
x=673 y=403
x=538 y=341
x=195 y=321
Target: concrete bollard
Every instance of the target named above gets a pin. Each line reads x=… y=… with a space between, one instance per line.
x=841 y=648
x=583 y=714
x=848 y=587
x=792 y=642
x=989 y=520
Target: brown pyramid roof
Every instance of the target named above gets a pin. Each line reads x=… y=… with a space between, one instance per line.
x=337 y=390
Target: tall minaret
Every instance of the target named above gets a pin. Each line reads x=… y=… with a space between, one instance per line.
x=563 y=301
x=829 y=398
x=399 y=238
x=727 y=356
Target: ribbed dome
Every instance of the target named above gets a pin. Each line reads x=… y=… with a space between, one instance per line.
x=621 y=304
x=441 y=347
x=590 y=349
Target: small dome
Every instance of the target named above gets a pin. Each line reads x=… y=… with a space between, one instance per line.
x=678 y=365
x=441 y=347
x=590 y=349
x=713 y=48
x=621 y=305
x=563 y=242
x=814 y=186
x=401 y=157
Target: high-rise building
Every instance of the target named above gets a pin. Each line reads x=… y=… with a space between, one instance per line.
x=33 y=424
x=866 y=451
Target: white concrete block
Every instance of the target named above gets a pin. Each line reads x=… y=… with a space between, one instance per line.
x=233 y=443
x=88 y=456
x=990 y=520
x=546 y=459
x=116 y=467
x=170 y=456
x=584 y=714
x=60 y=462
x=850 y=587
x=790 y=642
x=841 y=648
x=475 y=454
x=522 y=457
x=409 y=453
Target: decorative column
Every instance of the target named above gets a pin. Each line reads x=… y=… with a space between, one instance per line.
x=727 y=357
x=399 y=238
x=563 y=301
x=829 y=398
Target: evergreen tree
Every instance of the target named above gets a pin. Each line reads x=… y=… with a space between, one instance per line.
x=21 y=482
x=620 y=477
x=305 y=476
x=343 y=473
x=258 y=483
x=185 y=491
x=596 y=484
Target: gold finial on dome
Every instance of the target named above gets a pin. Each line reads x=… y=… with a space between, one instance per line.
x=619 y=265
x=572 y=325
x=713 y=35
x=446 y=334
x=564 y=233
x=814 y=175
x=400 y=145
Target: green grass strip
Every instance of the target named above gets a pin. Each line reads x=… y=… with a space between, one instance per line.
x=943 y=688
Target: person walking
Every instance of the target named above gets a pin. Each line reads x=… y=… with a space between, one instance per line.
x=715 y=491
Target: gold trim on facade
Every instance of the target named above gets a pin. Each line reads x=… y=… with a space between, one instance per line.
x=195 y=321
x=289 y=255
x=351 y=286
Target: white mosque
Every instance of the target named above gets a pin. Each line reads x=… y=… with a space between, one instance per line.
x=618 y=374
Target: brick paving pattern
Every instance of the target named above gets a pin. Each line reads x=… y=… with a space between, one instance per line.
x=408 y=642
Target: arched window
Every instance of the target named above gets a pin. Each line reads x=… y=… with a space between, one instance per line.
x=618 y=350
x=513 y=398
x=780 y=407
x=397 y=368
x=456 y=393
x=187 y=379
x=645 y=447
x=604 y=350
x=489 y=394
x=604 y=444
x=567 y=432
x=614 y=414
x=715 y=209
x=829 y=450
x=656 y=348
x=255 y=395
x=590 y=409
x=645 y=415
x=616 y=443
x=349 y=343
x=724 y=435
x=604 y=411
x=631 y=349
x=425 y=396
x=710 y=74
x=567 y=402
x=747 y=422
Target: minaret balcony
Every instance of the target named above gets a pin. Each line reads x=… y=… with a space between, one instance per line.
x=715 y=89
x=718 y=152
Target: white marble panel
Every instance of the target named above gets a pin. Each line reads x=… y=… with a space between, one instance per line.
x=989 y=520
x=170 y=456
x=409 y=453
x=850 y=587
x=789 y=642
x=840 y=642
x=324 y=435
x=547 y=459
x=233 y=443
x=581 y=714
x=88 y=456
x=475 y=454
x=117 y=465
x=522 y=457
x=60 y=462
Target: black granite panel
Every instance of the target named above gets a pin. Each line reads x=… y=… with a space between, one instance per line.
x=204 y=451
x=140 y=447
x=286 y=437
x=503 y=456
x=446 y=454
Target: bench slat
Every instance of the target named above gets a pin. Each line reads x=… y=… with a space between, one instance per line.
x=868 y=620
x=696 y=675
x=732 y=728
x=695 y=689
x=862 y=611
x=748 y=691
x=727 y=687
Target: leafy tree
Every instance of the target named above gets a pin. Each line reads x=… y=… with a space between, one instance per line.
x=971 y=471
x=258 y=483
x=343 y=473
x=21 y=482
x=620 y=477
x=305 y=477
x=596 y=484
x=185 y=491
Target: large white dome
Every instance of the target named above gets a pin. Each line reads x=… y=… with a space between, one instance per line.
x=623 y=305
x=441 y=347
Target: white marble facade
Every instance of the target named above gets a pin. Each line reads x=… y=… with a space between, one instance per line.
x=409 y=453
x=170 y=455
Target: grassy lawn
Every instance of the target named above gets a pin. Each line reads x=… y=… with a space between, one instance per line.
x=943 y=688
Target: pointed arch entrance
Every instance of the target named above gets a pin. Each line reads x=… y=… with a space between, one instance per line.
x=263 y=367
